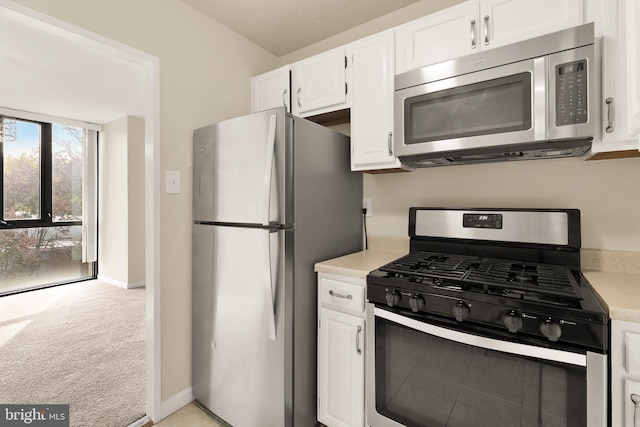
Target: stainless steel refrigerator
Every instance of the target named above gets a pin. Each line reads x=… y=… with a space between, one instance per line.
x=272 y=195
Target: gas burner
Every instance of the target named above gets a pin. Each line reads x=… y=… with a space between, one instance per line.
x=473 y=270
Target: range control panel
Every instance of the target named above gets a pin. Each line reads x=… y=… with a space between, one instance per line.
x=571 y=93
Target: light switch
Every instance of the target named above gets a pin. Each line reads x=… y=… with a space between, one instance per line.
x=172 y=182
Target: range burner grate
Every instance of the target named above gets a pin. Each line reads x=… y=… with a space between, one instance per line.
x=532 y=281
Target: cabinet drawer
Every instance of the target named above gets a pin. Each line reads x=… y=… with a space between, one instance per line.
x=633 y=353
x=342 y=295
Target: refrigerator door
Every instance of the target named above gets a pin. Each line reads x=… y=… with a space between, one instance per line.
x=239 y=372
x=239 y=170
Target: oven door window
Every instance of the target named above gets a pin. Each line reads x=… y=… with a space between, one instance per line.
x=485 y=108
x=428 y=381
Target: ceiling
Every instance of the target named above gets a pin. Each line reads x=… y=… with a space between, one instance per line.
x=283 y=26
x=52 y=71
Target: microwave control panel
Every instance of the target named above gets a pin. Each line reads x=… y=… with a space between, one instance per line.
x=571 y=93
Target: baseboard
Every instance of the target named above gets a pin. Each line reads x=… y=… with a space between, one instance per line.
x=120 y=284
x=142 y=422
x=175 y=402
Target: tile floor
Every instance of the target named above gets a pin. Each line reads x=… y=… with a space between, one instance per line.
x=192 y=416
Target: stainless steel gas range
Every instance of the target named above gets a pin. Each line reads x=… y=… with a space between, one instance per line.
x=488 y=321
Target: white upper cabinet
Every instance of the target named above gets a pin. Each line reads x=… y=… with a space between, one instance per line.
x=620 y=100
x=478 y=25
x=632 y=30
x=443 y=35
x=320 y=83
x=372 y=103
x=271 y=90
x=504 y=22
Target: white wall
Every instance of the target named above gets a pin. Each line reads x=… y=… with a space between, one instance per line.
x=606 y=191
x=135 y=194
x=113 y=206
x=121 y=251
x=205 y=70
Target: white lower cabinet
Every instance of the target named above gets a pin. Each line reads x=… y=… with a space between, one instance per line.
x=341 y=332
x=625 y=374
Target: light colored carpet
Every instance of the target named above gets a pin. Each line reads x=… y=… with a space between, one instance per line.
x=81 y=344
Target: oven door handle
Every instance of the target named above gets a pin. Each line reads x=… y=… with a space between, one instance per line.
x=484 y=342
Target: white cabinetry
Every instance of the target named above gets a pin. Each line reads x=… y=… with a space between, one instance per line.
x=341 y=351
x=632 y=32
x=620 y=82
x=271 y=90
x=320 y=83
x=478 y=25
x=508 y=21
x=625 y=373
x=443 y=35
x=372 y=103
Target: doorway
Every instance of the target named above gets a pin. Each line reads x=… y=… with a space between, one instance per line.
x=122 y=64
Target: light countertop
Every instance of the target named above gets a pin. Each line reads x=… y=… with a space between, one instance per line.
x=620 y=291
x=358 y=264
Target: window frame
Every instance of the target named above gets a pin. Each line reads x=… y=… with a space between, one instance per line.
x=46 y=183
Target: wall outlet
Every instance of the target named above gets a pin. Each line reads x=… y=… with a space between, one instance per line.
x=366 y=204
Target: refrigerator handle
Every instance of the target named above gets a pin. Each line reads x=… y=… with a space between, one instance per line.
x=268 y=170
x=268 y=286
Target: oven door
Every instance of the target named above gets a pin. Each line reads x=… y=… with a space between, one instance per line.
x=496 y=106
x=423 y=375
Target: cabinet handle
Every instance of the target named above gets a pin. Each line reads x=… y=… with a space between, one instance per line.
x=473 y=34
x=359 y=351
x=611 y=115
x=636 y=414
x=337 y=295
x=299 y=90
x=486 y=29
x=390 y=144
x=284 y=97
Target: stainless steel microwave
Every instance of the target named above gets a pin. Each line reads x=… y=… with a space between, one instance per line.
x=530 y=100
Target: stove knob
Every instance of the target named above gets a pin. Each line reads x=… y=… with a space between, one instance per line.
x=551 y=330
x=461 y=311
x=393 y=298
x=513 y=321
x=416 y=303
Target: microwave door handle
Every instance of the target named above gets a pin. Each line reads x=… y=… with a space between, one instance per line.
x=473 y=34
x=541 y=116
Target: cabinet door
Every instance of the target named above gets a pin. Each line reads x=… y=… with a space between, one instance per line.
x=625 y=373
x=372 y=112
x=615 y=134
x=508 y=21
x=443 y=35
x=632 y=33
x=271 y=90
x=320 y=83
x=341 y=369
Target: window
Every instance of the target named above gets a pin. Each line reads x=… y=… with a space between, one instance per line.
x=42 y=233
